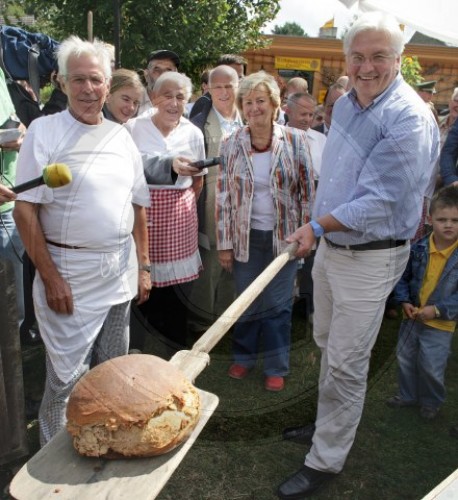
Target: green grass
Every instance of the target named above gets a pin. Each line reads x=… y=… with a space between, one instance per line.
x=240 y=453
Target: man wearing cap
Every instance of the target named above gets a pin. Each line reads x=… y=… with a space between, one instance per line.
x=446 y=122
x=159 y=62
x=426 y=90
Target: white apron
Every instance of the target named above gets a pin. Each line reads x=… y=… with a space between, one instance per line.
x=98 y=281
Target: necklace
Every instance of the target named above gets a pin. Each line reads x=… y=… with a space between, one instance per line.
x=260 y=150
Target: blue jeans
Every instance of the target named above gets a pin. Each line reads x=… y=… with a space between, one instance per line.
x=422 y=354
x=12 y=249
x=268 y=319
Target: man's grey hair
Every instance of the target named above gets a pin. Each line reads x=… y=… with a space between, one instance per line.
x=376 y=21
x=179 y=78
x=224 y=70
x=74 y=46
x=293 y=99
x=334 y=87
x=228 y=59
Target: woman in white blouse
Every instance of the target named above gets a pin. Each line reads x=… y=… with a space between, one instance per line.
x=172 y=218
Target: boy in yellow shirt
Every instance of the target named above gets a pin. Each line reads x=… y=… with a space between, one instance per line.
x=428 y=292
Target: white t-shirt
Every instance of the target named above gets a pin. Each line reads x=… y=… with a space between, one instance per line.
x=185 y=140
x=262 y=209
x=95 y=209
x=316 y=141
x=95 y=212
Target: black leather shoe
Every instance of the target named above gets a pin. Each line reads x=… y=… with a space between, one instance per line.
x=301 y=435
x=302 y=484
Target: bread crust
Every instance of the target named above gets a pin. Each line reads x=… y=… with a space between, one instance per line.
x=134 y=405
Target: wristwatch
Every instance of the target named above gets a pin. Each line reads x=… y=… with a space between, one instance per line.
x=317 y=228
x=438 y=313
x=144 y=267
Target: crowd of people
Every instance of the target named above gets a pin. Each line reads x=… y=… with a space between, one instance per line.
x=142 y=228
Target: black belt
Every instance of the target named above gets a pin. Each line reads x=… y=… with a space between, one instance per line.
x=371 y=245
x=63 y=245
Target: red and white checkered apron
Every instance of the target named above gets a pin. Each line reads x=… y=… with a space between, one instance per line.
x=172 y=236
x=422 y=228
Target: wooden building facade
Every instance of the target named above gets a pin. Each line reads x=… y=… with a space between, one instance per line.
x=321 y=62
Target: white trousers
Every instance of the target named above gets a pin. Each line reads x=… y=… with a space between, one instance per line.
x=350 y=290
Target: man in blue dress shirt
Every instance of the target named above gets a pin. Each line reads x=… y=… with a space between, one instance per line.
x=377 y=163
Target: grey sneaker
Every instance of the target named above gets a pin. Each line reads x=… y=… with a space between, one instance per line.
x=428 y=412
x=397 y=402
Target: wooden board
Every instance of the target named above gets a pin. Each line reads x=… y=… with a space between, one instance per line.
x=57 y=471
x=446 y=490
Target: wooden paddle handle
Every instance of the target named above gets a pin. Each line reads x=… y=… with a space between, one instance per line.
x=194 y=361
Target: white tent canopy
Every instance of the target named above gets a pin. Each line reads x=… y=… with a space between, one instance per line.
x=437 y=19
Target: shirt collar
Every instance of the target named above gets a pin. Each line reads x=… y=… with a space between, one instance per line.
x=446 y=252
x=228 y=125
x=308 y=132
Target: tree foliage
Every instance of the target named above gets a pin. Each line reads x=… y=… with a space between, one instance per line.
x=292 y=29
x=198 y=30
x=411 y=70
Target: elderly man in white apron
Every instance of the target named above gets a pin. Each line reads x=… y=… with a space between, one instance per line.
x=80 y=236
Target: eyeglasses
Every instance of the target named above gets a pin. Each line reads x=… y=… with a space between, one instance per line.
x=375 y=60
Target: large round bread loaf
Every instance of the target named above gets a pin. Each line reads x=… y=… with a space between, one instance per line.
x=132 y=406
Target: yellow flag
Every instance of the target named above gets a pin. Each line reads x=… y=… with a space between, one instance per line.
x=329 y=24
